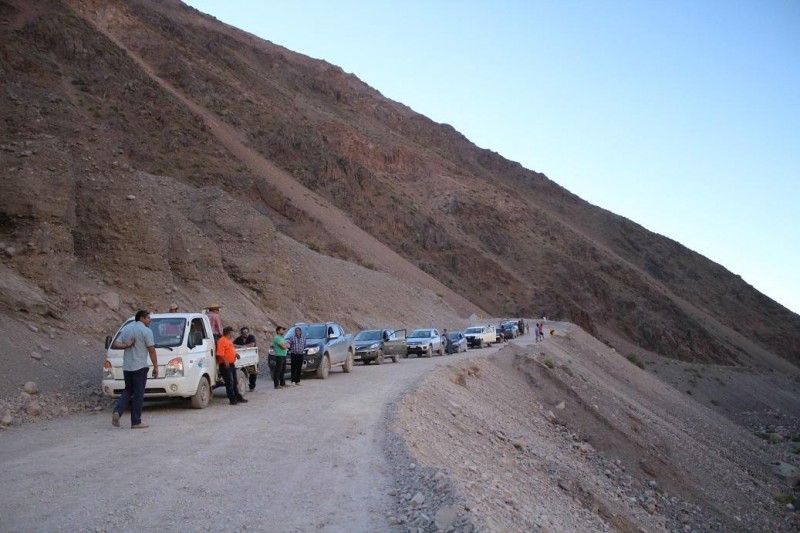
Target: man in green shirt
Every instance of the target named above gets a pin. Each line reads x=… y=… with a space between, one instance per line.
x=279 y=346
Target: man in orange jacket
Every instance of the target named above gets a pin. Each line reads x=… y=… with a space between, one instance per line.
x=226 y=357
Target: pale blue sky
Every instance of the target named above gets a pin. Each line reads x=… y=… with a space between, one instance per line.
x=681 y=115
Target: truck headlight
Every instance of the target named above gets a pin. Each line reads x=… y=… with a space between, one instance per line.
x=312 y=350
x=374 y=346
x=108 y=372
x=174 y=368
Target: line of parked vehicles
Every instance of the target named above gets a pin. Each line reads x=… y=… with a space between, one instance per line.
x=187 y=365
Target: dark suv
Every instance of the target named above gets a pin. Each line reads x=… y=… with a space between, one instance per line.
x=377 y=344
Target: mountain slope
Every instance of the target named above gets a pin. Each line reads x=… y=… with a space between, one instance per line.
x=101 y=89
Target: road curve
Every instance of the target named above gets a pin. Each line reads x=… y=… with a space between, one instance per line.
x=298 y=459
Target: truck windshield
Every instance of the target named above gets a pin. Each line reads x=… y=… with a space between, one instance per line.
x=167 y=332
x=472 y=330
x=310 y=331
x=368 y=335
x=420 y=334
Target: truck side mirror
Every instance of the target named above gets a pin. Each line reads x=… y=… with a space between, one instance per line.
x=108 y=341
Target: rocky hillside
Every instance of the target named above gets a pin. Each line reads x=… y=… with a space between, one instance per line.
x=156 y=154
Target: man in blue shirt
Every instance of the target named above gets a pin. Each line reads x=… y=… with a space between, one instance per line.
x=136 y=339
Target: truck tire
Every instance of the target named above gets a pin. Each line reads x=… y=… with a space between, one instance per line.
x=324 y=367
x=202 y=397
x=440 y=351
x=395 y=359
x=242 y=382
x=429 y=351
x=348 y=363
x=480 y=343
x=379 y=358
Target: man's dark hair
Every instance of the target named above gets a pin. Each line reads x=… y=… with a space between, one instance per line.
x=279 y=328
x=141 y=314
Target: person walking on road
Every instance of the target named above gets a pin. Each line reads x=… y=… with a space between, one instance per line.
x=448 y=343
x=136 y=339
x=280 y=346
x=226 y=357
x=297 y=349
x=247 y=340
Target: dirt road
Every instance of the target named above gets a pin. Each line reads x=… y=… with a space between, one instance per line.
x=306 y=458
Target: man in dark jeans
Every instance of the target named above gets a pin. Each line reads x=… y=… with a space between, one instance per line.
x=247 y=340
x=136 y=339
x=280 y=346
x=297 y=348
x=226 y=357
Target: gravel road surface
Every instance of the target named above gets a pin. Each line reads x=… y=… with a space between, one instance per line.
x=305 y=458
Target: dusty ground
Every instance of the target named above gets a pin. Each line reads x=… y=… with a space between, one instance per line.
x=483 y=441
x=592 y=444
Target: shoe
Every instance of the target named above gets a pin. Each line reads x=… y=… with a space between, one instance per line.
x=284 y=386
x=252 y=389
x=115 y=419
x=234 y=402
x=140 y=425
x=242 y=400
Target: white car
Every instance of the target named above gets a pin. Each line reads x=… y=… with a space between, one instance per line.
x=424 y=342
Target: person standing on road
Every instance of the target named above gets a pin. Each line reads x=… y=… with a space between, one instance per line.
x=297 y=348
x=448 y=343
x=216 y=321
x=280 y=346
x=541 y=331
x=226 y=357
x=247 y=340
x=136 y=339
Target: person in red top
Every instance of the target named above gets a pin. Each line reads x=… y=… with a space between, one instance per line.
x=216 y=321
x=226 y=357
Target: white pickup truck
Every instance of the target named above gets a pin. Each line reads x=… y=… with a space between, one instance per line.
x=187 y=366
x=480 y=336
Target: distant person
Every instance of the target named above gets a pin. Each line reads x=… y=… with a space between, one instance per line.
x=226 y=357
x=541 y=331
x=280 y=346
x=448 y=343
x=297 y=349
x=136 y=339
x=172 y=328
x=536 y=332
x=521 y=326
x=216 y=321
x=247 y=340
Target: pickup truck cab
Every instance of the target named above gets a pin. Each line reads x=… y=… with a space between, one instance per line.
x=425 y=342
x=187 y=366
x=327 y=346
x=480 y=336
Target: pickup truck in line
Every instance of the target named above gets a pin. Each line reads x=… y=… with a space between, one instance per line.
x=327 y=346
x=187 y=366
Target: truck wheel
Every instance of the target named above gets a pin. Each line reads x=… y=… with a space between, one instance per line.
x=379 y=358
x=429 y=351
x=242 y=382
x=480 y=343
x=395 y=359
x=348 y=363
x=324 y=367
x=203 y=395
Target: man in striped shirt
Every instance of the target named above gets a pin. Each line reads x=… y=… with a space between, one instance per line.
x=297 y=348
